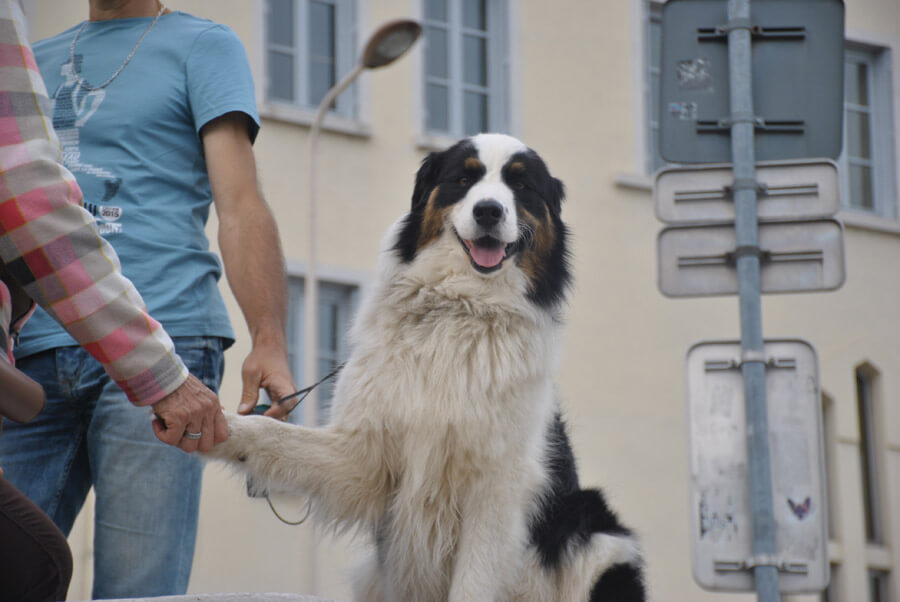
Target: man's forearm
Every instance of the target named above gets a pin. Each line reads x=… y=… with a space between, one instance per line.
x=254 y=266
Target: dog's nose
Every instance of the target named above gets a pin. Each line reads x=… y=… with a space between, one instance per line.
x=487 y=213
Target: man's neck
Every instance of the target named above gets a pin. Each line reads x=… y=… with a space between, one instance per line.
x=103 y=10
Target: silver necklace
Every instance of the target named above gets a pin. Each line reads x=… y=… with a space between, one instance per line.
x=87 y=86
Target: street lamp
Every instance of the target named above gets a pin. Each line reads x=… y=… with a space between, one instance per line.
x=388 y=43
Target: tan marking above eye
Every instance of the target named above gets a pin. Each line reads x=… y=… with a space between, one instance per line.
x=473 y=163
x=517 y=166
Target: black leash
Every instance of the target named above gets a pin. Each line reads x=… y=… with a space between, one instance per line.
x=301 y=394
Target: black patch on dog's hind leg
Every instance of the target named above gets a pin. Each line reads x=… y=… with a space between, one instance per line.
x=570 y=521
x=619 y=583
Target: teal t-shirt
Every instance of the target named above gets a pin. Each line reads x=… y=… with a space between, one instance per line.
x=135 y=149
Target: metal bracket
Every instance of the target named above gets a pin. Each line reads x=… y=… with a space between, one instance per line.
x=762 y=190
x=744 y=184
x=735 y=24
x=765 y=257
x=751 y=356
x=773 y=363
x=784 y=566
x=757 y=32
x=772 y=126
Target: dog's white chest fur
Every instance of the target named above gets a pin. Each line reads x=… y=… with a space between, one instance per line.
x=462 y=397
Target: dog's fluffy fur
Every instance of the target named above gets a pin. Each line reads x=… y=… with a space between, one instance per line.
x=445 y=443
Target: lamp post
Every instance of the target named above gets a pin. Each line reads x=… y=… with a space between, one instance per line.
x=388 y=43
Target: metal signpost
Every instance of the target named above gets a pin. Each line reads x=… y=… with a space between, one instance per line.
x=797 y=114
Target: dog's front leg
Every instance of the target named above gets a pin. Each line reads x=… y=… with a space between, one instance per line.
x=492 y=543
x=342 y=471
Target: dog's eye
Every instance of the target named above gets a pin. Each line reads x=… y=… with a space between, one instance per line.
x=464 y=181
x=519 y=185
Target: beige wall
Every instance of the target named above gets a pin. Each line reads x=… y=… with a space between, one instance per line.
x=577 y=99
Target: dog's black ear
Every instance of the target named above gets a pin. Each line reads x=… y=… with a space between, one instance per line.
x=557 y=194
x=426 y=179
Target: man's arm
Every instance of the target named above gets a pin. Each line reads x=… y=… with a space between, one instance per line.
x=251 y=252
x=51 y=246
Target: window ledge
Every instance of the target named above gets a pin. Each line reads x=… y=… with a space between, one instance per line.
x=435 y=142
x=633 y=181
x=835 y=552
x=305 y=117
x=867 y=221
x=878 y=557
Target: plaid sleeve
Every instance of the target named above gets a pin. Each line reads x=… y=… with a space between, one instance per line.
x=51 y=244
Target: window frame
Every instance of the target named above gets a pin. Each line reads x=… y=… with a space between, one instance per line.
x=868 y=419
x=877 y=59
x=830 y=453
x=882 y=578
x=348 y=113
x=501 y=116
x=357 y=282
x=652 y=13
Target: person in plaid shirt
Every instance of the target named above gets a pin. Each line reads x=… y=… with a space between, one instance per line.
x=51 y=245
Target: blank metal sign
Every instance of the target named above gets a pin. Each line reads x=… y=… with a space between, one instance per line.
x=788 y=190
x=796 y=256
x=721 y=533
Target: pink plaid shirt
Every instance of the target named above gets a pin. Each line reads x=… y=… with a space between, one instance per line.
x=52 y=246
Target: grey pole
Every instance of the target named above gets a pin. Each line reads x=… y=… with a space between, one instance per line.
x=748 y=257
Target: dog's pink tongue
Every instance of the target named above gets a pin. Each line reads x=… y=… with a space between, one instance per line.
x=486 y=257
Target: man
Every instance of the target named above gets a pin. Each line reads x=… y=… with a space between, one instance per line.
x=156 y=115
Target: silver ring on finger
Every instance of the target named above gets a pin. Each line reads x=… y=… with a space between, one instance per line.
x=190 y=435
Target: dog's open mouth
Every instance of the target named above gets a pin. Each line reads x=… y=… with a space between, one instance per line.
x=487 y=253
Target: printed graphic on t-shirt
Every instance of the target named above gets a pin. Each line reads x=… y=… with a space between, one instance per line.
x=73 y=106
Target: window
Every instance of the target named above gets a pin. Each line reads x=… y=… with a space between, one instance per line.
x=337 y=302
x=868 y=452
x=830 y=593
x=878 y=586
x=829 y=443
x=465 y=67
x=653 y=48
x=309 y=46
x=867 y=160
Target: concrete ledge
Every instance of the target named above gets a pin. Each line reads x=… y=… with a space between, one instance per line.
x=237 y=597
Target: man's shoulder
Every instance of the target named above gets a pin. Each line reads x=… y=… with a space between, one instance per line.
x=61 y=40
x=188 y=24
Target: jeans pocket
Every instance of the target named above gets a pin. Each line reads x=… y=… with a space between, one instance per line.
x=204 y=358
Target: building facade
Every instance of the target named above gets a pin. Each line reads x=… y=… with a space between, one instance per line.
x=577 y=80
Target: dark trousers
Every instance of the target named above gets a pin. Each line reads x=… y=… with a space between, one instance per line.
x=35 y=560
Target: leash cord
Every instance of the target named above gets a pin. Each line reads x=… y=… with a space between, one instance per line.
x=284 y=520
x=302 y=393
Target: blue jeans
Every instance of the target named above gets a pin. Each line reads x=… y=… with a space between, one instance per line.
x=89 y=434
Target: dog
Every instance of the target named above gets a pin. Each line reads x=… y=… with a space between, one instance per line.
x=446 y=444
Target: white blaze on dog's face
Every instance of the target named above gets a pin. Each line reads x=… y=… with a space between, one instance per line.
x=492 y=199
x=486 y=218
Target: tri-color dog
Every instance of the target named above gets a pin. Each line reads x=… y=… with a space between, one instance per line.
x=446 y=444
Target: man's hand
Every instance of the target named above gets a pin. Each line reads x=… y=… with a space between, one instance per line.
x=266 y=367
x=191 y=408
